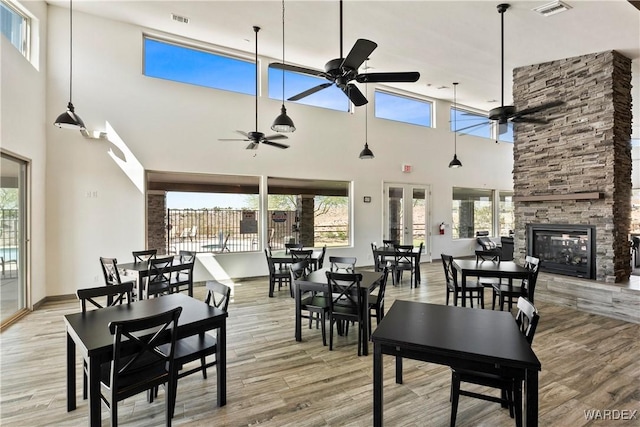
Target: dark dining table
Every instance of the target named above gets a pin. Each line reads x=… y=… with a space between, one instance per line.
x=497 y=269
x=89 y=332
x=142 y=270
x=390 y=253
x=317 y=281
x=480 y=340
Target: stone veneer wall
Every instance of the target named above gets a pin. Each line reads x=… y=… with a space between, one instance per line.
x=584 y=148
x=157 y=221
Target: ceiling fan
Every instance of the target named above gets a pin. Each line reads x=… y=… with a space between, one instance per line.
x=508 y=113
x=342 y=71
x=255 y=137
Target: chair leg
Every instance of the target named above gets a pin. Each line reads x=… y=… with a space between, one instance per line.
x=330 y=334
x=517 y=403
x=203 y=362
x=447 y=300
x=84 y=383
x=495 y=295
x=324 y=332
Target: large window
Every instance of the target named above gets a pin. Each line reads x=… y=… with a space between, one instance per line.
x=469 y=123
x=507 y=132
x=15 y=26
x=314 y=213
x=295 y=83
x=403 y=109
x=472 y=211
x=183 y=64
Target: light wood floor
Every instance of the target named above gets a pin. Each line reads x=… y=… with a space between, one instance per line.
x=588 y=362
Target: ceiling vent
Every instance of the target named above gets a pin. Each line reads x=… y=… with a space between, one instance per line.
x=179 y=18
x=552 y=8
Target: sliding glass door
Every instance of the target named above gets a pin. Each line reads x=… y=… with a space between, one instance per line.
x=13 y=295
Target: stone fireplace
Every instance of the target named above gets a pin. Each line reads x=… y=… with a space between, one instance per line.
x=576 y=169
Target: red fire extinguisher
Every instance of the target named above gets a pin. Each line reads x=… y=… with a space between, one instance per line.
x=442 y=228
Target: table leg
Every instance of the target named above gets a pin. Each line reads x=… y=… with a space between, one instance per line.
x=221 y=364
x=377 y=385
x=298 y=298
x=398 y=369
x=71 y=374
x=463 y=286
x=530 y=412
x=94 y=392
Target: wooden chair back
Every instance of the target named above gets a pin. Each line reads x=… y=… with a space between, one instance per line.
x=116 y=294
x=144 y=256
x=342 y=264
x=527 y=318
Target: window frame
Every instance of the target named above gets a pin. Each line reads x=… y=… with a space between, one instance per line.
x=411 y=97
x=490 y=196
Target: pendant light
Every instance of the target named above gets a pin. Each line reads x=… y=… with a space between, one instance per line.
x=283 y=122
x=366 y=153
x=455 y=163
x=69 y=119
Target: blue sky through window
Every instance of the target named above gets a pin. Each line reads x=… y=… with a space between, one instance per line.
x=181 y=64
x=402 y=109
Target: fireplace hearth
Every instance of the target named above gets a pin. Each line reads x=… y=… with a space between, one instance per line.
x=567 y=249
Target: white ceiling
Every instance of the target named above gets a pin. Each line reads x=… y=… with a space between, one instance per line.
x=446 y=41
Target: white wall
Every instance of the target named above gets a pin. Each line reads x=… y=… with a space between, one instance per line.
x=175 y=127
x=22 y=133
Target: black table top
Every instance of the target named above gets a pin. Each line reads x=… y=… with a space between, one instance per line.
x=483 y=335
x=473 y=266
x=91 y=332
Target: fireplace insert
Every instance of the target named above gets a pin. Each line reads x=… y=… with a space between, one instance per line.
x=563 y=248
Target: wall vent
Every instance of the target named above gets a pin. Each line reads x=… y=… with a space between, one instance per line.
x=179 y=18
x=552 y=8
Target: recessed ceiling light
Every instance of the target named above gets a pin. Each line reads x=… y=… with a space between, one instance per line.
x=492 y=100
x=442 y=87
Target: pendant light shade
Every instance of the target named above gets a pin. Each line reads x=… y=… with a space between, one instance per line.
x=366 y=153
x=69 y=119
x=283 y=122
x=455 y=163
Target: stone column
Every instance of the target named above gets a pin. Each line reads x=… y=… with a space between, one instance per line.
x=306 y=216
x=157 y=221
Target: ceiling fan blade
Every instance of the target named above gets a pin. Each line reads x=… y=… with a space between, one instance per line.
x=354 y=94
x=275 y=136
x=295 y=68
x=309 y=92
x=275 y=144
x=252 y=146
x=233 y=139
x=539 y=108
x=472 y=126
x=408 y=77
x=243 y=133
x=359 y=53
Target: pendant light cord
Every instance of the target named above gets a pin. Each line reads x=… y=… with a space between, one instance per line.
x=455 y=120
x=366 y=109
x=502 y=53
x=256 y=29
x=283 y=52
x=70 y=48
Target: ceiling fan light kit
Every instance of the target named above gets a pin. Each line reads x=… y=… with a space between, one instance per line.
x=69 y=119
x=283 y=122
x=455 y=163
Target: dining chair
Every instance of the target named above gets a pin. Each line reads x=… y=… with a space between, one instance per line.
x=289 y=246
x=313 y=302
x=144 y=256
x=116 y=294
x=345 y=303
x=301 y=255
x=473 y=289
x=342 y=264
x=509 y=294
x=388 y=243
x=182 y=280
x=376 y=306
x=111 y=273
x=201 y=346
x=379 y=262
x=403 y=260
x=159 y=280
x=277 y=274
x=321 y=257
x=147 y=367
x=511 y=389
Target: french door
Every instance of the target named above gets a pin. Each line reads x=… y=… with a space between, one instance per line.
x=13 y=202
x=406 y=214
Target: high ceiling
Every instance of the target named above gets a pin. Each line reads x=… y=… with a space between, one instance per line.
x=446 y=41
